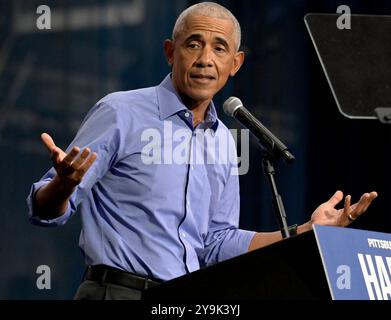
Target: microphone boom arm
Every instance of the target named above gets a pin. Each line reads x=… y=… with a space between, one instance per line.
x=274 y=149
x=279 y=209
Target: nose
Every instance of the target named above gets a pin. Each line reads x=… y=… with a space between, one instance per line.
x=205 y=58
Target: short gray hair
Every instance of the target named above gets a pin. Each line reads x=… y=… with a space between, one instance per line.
x=208 y=9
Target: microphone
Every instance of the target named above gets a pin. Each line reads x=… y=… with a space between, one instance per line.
x=233 y=107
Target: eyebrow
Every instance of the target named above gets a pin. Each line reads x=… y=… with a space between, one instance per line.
x=197 y=36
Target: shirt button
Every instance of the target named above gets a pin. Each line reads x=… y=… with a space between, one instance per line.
x=192 y=167
x=187 y=114
x=184 y=234
x=188 y=202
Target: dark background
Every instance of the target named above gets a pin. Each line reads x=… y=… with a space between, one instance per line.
x=50 y=79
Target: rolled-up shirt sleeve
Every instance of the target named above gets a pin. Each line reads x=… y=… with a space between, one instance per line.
x=32 y=214
x=224 y=239
x=98 y=132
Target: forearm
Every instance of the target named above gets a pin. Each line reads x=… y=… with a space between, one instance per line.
x=263 y=239
x=51 y=200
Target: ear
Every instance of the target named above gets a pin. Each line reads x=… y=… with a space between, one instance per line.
x=237 y=63
x=168 y=46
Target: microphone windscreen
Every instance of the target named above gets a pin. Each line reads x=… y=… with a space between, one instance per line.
x=231 y=105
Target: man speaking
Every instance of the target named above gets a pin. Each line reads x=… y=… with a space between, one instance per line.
x=145 y=222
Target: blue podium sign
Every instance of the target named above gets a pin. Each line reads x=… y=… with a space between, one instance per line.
x=357 y=262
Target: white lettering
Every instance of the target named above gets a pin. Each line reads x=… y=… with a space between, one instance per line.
x=198 y=147
x=179 y=311
x=344 y=20
x=344 y=280
x=151 y=153
x=370 y=277
x=384 y=277
x=181 y=151
x=379 y=243
x=244 y=158
x=167 y=150
x=44 y=21
x=44 y=280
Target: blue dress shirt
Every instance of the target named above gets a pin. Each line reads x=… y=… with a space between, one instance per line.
x=161 y=200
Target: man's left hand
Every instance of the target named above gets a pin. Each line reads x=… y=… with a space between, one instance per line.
x=326 y=214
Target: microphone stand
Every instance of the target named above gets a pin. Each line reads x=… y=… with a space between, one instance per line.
x=279 y=209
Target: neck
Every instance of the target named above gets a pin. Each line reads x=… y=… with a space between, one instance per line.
x=197 y=108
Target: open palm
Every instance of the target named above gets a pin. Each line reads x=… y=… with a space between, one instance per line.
x=70 y=167
x=327 y=214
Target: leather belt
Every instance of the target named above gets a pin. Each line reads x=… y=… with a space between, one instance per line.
x=106 y=274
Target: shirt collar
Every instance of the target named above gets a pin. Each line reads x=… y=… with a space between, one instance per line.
x=170 y=103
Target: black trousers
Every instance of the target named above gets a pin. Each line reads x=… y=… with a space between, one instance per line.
x=93 y=290
x=103 y=282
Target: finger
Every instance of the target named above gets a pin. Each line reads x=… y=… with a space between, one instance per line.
x=361 y=205
x=70 y=157
x=88 y=163
x=347 y=207
x=368 y=201
x=48 y=141
x=336 y=198
x=348 y=199
x=56 y=158
x=82 y=158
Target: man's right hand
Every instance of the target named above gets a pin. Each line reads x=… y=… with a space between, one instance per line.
x=51 y=200
x=70 y=167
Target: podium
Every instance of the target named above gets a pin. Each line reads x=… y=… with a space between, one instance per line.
x=289 y=269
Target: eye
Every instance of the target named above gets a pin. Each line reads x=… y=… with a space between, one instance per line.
x=220 y=49
x=193 y=45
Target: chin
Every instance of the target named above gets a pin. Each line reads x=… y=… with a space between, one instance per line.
x=202 y=95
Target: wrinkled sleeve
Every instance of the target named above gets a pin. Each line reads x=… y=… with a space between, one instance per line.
x=100 y=131
x=224 y=239
x=34 y=219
